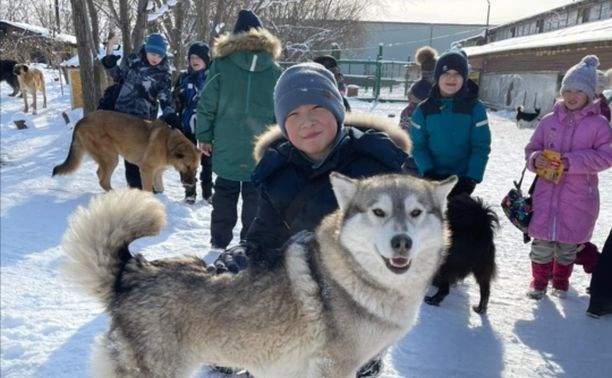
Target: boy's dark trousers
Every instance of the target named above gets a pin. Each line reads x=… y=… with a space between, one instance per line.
x=205 y=174
x=601 y=282
x=225 y=210
x=132 y=175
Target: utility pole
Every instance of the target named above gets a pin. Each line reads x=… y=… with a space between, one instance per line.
x=486 y=38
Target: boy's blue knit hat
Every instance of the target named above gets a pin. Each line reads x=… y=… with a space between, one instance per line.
x=582 y=77
x=156 y=44
x=451 y=60
x=246 y=21
x=303 y=84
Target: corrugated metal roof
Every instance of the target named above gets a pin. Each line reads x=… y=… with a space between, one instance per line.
x=589 y=32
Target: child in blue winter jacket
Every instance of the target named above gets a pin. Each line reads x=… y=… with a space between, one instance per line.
x=450 y=131
x=145 y=82
x=186 y=94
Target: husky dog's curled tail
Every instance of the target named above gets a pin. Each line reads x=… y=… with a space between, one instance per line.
x=98 y=236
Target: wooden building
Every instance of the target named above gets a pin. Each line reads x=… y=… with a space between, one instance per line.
x=30 y=43
x=527 y=69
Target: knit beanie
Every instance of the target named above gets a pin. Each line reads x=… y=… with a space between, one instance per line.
x=426 y=57
x=421 y=89
x=451 y=60
x=200 y=49
x=156 y=44
x=306 y=83
x=327 y=61
x=246 y=21
x=582 y=77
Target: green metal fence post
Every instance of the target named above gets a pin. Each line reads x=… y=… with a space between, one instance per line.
x=378 y=78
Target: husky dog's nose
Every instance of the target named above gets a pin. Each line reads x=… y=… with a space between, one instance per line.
x=401 y=244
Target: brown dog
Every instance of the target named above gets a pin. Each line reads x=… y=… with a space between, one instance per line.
x=152 y=146
x=30 y=80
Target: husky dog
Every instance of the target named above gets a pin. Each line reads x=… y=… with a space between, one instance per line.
x=328 y=302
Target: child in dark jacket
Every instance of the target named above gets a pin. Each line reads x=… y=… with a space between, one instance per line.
x=600 y=303
x=426 y=56
x=450 y=131
x=565 y=209
x=295 y=158
x=145 y=82
x=186 y=94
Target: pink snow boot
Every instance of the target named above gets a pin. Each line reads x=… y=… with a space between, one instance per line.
x=561 y=275
x=540 y=273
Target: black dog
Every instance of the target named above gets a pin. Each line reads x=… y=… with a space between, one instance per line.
x=472 y=249
x=7 y=74
x=522 y=115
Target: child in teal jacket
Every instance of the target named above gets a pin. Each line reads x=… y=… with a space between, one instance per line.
x=450 y=131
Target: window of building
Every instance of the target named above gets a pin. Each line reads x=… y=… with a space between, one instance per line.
x=540 y=25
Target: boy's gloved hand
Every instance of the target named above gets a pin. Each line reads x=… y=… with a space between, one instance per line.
x=172 y=120
x=465 y=185
x=232 y=260
x=110 y=61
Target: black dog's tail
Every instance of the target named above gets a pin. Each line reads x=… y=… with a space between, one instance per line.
x=97 y=238
x=471 y=216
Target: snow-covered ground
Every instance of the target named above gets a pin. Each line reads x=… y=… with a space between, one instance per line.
x=47 y=328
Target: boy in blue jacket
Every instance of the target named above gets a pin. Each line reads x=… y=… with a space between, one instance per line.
x=450 y=131
x=186 y=94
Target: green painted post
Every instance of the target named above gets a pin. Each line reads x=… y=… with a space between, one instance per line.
x=378 y=78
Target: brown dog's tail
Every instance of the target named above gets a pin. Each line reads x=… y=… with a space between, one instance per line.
x=97 y=239
x=74 y=158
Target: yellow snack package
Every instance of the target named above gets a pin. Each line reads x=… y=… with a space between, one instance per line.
x=555 y=171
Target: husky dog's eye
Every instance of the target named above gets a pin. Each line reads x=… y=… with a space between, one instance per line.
x=378 y=212
x=415 y=213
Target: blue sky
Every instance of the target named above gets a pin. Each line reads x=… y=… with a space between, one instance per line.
x=458 y=11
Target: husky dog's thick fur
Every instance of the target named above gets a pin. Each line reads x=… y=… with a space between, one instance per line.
x=472 y=249
x=332 y=301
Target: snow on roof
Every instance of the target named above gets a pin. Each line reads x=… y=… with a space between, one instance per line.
x=43 y=32
x=583 y=33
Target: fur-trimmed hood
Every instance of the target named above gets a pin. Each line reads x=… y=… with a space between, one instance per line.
x=257 y=39
x=361 y=121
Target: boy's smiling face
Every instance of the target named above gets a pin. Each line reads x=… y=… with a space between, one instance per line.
x=450 y=83
x=311 y=129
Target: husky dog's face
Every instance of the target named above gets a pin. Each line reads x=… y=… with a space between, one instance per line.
x=393 y=224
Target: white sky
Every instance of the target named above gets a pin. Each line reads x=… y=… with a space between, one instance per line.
x=458 y=11
x=47 y=328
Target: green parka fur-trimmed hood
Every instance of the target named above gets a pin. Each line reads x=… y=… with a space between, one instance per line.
x=257 y=39
x=360 y=121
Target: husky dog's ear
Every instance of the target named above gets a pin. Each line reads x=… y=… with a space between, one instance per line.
x=444 y=187
x=344 y=188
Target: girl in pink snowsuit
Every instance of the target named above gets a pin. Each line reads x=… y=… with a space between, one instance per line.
x=564 y=213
